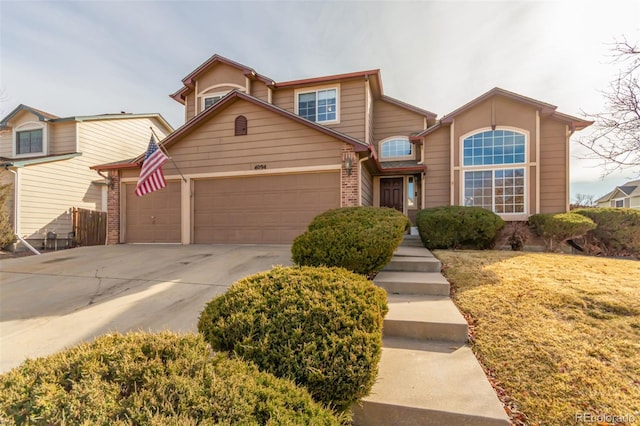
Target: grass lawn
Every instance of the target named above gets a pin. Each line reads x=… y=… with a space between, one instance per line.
x=560 y=334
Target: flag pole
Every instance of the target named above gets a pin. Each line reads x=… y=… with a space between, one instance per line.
x=167 y=154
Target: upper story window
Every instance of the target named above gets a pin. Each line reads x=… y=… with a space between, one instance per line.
x=494 y=147
x=209 y=101
x=29 y=142
x=396 y=147
x=320 y=106
x=30 y=139
x=490 y=179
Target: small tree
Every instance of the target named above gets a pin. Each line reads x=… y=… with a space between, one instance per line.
x=616 y=136
x=6 y=230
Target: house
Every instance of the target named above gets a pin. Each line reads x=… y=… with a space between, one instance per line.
x=46 y=159
x=627 y=195
x=256 y=159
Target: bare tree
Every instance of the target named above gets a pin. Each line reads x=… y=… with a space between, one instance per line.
x=583 y=200
x=616 y=134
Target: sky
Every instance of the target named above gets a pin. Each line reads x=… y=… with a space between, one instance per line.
x=96 y=57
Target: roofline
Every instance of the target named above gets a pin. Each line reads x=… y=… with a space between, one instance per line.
x=227 y=100
x=21 y=162
x=42 y=115
x=328 y=78
x=401 y=104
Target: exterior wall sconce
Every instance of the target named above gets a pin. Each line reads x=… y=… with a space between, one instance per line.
x=347 y=161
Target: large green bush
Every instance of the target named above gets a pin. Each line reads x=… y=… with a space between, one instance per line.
x=321 y=327
x=617 y=232
x=458 y=227
x=360 y=239
x=558 y=228
x=151 y=379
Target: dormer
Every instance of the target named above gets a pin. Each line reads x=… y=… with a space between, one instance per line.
x=30 y=133
x=214 y=79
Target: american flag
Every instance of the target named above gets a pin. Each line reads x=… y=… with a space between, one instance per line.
x=151 y=177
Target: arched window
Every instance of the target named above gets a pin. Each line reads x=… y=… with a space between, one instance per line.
x=490 y=178
x=396 y=147
x=241 y=125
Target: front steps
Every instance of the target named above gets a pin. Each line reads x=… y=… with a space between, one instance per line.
x=427 y=374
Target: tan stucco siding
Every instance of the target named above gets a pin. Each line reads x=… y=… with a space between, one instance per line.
x=272 y=140
x=221 y=74
x=366 y=187
x=437 y=191
x=62 y=138
x=259 y=90
x=6 y=141
x=352 y=109
x=189 y=107
x=391 y=120
x=49 y=191
x=285 y=99
x=554 y=195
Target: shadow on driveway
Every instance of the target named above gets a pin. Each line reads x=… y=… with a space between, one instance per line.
x=56 y=300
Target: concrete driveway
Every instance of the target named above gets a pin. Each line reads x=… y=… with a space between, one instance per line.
x=56 y=300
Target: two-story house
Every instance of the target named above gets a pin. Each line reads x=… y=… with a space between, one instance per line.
x=46 y=161
x=256 y=159
x=627 y=196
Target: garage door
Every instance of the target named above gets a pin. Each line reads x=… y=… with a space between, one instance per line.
x=261 y=209
x=154 y=217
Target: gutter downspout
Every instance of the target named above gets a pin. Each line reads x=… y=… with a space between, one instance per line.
x=16 y=210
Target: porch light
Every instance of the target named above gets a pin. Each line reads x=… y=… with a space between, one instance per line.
x=347 y=161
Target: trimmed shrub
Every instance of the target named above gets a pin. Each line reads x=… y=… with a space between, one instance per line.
x=360 y=239
x=458 y=227
x=154 y=379
x=558 y=228
x=617 y=232
x=321 y=327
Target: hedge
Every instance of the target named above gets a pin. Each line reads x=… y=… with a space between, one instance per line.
x=321 y=327
x=617 y=232
x=151 y=379
x=558 y=228
x=360 y=239
x=458 y=227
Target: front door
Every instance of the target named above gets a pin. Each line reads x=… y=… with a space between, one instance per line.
x=391 y=193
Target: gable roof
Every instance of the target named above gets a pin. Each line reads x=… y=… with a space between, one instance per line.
x=545 y=109
x=629 y=189
x=189 y=80
x=221 y=105
x=45 y=116
x=42 y=116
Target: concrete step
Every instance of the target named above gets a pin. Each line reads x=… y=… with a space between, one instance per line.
x=424 y=318
x=413 y=264
x=412 y=241
x=429 y=383
x=410 y=251
x=431 y=283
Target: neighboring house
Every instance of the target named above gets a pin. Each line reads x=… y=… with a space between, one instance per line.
x=47 y=158
x=627 y=195
x=257 y=159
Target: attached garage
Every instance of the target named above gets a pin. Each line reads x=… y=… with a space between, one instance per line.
x=153 y=218
x=261 y=209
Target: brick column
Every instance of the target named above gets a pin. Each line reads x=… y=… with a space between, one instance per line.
x=349 y=182
x=113 y=209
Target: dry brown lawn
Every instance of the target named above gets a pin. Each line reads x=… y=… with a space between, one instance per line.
x=559 y=333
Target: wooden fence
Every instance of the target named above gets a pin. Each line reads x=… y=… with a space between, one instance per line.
x=89 y=227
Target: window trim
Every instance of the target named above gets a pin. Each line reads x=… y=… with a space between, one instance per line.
x=209 y=96
x=228 y=88
x=615 y=202
x=411 y=156
x=316 y=89
x=28 y=126
x=526 y=165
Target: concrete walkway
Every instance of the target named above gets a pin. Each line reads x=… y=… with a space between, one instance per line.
x=428 y=375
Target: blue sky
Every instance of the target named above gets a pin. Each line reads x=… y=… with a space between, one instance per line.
x=94 y=57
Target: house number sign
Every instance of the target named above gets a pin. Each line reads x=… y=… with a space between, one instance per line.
x=260 y=167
